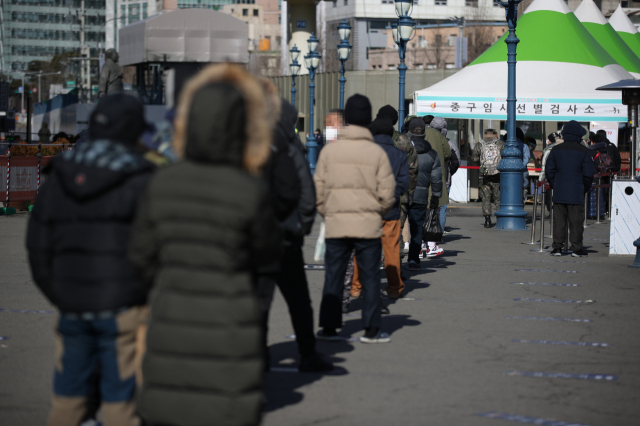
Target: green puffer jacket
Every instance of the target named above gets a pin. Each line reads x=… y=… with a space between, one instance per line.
x=204 y=225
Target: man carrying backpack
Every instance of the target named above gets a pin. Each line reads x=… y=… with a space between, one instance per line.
x=489 y=153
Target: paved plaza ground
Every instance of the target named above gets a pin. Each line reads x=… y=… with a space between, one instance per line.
x=493 y=334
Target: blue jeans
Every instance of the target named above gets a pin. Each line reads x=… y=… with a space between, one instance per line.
x=443 y=212
x=417 y=216
x=336 y=258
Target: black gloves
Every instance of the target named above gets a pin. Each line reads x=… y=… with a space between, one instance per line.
x=435 y=201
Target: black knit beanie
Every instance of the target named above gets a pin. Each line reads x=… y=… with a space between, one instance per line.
x=381 y=126
x=358 y=111
x=389 y=112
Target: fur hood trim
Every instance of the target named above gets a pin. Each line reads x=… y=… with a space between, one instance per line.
x=274 y=102
x=259 y=126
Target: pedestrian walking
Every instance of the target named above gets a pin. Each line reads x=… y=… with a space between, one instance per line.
x=355 y=188
x=570 y=171
x=205 y=226
x=427 y=194
x=289 y=174
x=77 y=243
x=440 y=124
x=382 y=131
x=488 y=152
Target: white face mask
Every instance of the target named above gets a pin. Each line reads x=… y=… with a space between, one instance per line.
x=331 y=134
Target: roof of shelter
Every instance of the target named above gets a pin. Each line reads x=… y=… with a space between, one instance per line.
x=625 y=29
x=597 y=25
x=186 y=35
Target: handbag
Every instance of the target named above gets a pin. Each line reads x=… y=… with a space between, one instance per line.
x=431 y=230
x=321 y=247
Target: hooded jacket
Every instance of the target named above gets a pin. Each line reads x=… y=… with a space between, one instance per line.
x=569 y=170
x=354 y=185
x=204 y=227
x=80 y=226
x=400 y=167
x=429 y=171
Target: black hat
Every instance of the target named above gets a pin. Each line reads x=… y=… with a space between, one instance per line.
x=428 y=119
x=572 y=131
x=389 y=112
x=358 y=111
x=381 y=126
x=552 y=137
x=119 y=118
x=417 y=126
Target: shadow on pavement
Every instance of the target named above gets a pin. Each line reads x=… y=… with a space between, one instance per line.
x=390 y=324
x=281 y=387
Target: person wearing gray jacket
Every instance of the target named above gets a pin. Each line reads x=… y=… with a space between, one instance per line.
x=429 y=175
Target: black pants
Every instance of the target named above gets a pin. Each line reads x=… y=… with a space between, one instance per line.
x=292 y=281
x=368 y=252
x=575 y=214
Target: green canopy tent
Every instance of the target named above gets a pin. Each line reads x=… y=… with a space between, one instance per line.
x=625 y=29
x=597 y=25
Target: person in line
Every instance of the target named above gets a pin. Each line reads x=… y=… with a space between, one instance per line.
x=440 y=144
x=355 y=188
x=205 y=226
x=570 y=171
x=405 y=145
x=77 y=243
x=319 y=139
x=44 y=135
x=440 y=124
x=488 y=152
x=382 y=131
x=290 y=178
x=334 y=120
x=428 y=191
x=552 y=140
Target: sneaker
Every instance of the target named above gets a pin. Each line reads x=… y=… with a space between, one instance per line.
x=424 y=247
x=314 y=364
x=556 y=252
x=435 y=251
x=385 y=310
x=378 y=338
x=413 y=266
x=421 y=255
x=329 y=335
x=579 y=253
x=394 y=295
x=406 y=246
x=446 y=232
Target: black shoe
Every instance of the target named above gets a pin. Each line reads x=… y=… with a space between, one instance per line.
x=385 y=310
x=329 y=334
x=314 y=364
x=345 y=309
x=579 y=253
x=556 y=252
x=487 y=221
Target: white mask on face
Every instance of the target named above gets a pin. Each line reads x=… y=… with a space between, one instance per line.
x=331 y=134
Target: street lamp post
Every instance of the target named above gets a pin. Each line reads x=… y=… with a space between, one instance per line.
x=344 y=52
x=402 y=31
x=312 y=61
x=295 y=70
x=511 y=215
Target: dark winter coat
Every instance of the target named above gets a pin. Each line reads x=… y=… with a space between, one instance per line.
x=80 y=226
x=299 y=222
x=400 y=167
x=569 y=170
x=204 y=226
x=429 y=172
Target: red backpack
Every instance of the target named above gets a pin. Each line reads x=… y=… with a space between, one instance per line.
x=604 y=163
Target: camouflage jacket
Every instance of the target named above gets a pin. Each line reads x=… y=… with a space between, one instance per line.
x=403 y=142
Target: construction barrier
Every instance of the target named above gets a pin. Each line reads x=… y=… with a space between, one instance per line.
x=22 y=175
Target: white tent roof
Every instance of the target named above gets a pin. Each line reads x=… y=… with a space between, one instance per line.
x=559 y=67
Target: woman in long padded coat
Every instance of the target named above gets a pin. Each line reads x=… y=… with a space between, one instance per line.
x=204 y=226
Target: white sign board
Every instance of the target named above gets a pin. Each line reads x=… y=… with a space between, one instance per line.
x=527 y=109
x=610 y=128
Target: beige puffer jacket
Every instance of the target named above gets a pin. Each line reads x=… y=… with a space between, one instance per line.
x=354 y=185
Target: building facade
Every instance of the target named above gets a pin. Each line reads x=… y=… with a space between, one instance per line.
x=37 y=30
